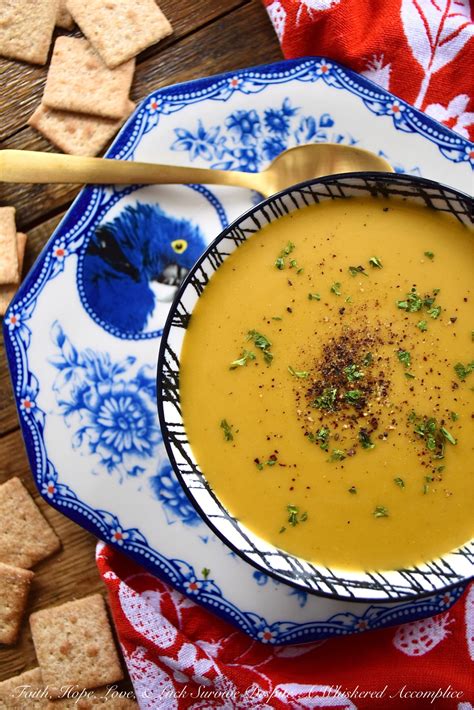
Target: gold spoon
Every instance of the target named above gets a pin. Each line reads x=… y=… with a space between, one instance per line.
x=294 y=165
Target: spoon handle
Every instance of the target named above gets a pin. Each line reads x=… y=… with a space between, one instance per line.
x=37 y=167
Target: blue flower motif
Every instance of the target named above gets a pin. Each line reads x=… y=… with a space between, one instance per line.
x=167 y=489
x=278 y=120
x=199 y=145
x=118 y=421
x=246 y=124
x=272 y=147
x=248 y=158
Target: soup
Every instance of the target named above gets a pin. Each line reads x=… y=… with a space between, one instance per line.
x=327 y=383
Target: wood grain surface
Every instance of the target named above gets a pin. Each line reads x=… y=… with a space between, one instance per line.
x=209 y=37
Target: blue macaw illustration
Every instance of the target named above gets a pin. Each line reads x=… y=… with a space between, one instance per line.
x=127 y=258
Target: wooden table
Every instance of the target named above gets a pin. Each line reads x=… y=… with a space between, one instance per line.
x=209 y=37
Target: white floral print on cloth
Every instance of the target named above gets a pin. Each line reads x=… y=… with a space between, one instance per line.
x=182 y=657
x=420 y=50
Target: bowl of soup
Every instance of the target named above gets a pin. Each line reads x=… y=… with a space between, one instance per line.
x=316 y=386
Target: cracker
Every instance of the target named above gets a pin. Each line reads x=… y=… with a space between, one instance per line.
x=120 y=29
x=8 y=249
x=26 y=28
x=74 y=645
x=78 y=80
x=14 y=585
x=100 y=698
x=24 y=691
x=7 y=291
x=64 y=17
x=25 y=536
x=76 y=133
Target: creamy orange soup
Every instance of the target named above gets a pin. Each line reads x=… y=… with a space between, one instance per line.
x=327 y=381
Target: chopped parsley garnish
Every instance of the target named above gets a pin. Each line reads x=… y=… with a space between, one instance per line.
x=368 y=359
x=271 y=461
x=294 y=515
x=404 y=357
x=429 y=254
x=376 y=263
x=336 y=288
x=434 y=437
x=399 y=482
x=409 y=375
x=348 y=299
x=337 y=455
x=323 y=437
x=302 y=374
x=380 y=511
x=243 y=359
x=326 y=399
x=227 y=429
x=352 y=396
x=365 y=440
x=454 y=416
x=422 y=325
x=426 y=488
x=434 y=312
x=472 y=335
x=277 y=318
x=462 y=371
x=314 y=297
x=353 y=373
x=354 y=270
x=352 y=490
x=281 y=259
x=448 y=436
x=262 y=343
x=205 y=572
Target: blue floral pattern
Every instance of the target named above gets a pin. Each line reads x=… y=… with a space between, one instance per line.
x=253 y=139
x=113 y=417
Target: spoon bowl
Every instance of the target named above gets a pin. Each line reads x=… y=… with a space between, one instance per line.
x=292 y=166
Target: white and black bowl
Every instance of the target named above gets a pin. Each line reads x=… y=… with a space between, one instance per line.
x=450 y=570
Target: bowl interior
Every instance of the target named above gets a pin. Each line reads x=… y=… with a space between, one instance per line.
x=425 y=579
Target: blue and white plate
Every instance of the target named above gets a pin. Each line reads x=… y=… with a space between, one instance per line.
x=82 y=334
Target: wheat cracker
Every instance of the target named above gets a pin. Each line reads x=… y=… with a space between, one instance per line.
x=74 y=645
x=8 y=249
x=79 y=81
x=7 y=291
x=24 y=691
x=26 y=29
x=25 y=536
x=76 y=133
x=120 y=29
x=14 y=586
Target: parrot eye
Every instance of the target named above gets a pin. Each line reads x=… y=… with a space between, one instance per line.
x=179 y=245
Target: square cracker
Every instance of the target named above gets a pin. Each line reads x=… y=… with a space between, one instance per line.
x=14 y=586
x=76 y=133
x=24 y=691
x=25 y=536
x=26 y=28
x=64 y=17
x=120 y=29
x=8 y=249
x=74 y=645
x=7 y=291
x=78 y=80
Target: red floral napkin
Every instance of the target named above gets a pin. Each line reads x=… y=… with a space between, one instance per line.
x=421 y=50
x=181 y=656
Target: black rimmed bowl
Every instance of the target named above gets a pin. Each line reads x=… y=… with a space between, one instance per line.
x=451 y=569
